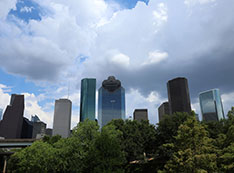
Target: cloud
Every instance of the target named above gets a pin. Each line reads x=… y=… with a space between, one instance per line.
x=27 y=9
x=120 y=59
x=5 y=7
x=135 y=100
x=155 y=57
x=32 y=107
x=5 y=97
x=144 y=46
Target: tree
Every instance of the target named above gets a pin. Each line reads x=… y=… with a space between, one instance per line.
x=138 y=138
x=39 y=157
x=166 y=131
x=193 y=149
x=107 y=155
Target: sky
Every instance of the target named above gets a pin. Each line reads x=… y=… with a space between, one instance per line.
x=48 y=46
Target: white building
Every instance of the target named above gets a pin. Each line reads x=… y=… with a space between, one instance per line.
x=62 y=117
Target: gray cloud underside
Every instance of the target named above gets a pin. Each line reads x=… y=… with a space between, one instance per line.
x=199 y=41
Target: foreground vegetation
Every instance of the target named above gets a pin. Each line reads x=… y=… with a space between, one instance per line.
x=180 y=143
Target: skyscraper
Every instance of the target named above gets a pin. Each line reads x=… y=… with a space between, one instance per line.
x=140 y=114
x=87 y=100
x=27 y=129
x=1 y=110
x=11 y=125
x=163 y=110
x=211 y=105
x=178 y=95
x=111 y=101
x=62 y=117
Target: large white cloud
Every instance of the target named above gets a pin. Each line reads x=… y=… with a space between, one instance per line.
x=143 y=47
x=6 y=6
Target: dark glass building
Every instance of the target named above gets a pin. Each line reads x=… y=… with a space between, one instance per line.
x=140 y=114
x=27 y=129
x=87 y=99
x=163 y=109
x=178 y=95
x=211 y=105
x=111 y=101
x=11 y=125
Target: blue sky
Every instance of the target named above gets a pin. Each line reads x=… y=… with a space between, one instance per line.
x=44 y=45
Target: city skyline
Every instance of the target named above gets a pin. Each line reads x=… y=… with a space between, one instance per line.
x=44 y=49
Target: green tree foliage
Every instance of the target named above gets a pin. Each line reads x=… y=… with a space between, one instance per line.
x=166 y=130
x=193 y=149
x=85 y=151
x=40 y=157
x=106 y=155
x=180 y=143
x=138 y=138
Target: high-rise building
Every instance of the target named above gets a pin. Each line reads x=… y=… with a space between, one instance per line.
x=11 y=125
x=87 y=100
x=62 y=117
x=140 y=114
x=27 y=129
x=163 y=109
x=1 y=110
x=211 y=105
x=39 y=129
x=178 y=95
x=111 y=101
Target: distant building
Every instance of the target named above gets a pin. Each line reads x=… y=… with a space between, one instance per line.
x=11 y=125
x=87 y=100
x=163 y=109
x=39 y=129
x=49 y=132
x=62 y=117
x=211 y=105
x=140 y=114
x=27 y=129
x=197 y=117
x=1 y=111
x=111 y=101
x=35 y=118
x=178 y=95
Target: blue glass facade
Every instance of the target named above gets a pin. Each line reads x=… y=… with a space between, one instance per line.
x=1 y=110
x=211 y=105
x=87 y=99
x=111 y=101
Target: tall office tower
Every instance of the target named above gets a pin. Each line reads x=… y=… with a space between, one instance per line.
x=1 y=110
x=140 y=114
x=111 y=101
x=178 y=95
x=211 y=105
x=27 y=129
x=163 y=109
x=39 y=129
x=87 y=100
x=11 y=125
x=62 y=117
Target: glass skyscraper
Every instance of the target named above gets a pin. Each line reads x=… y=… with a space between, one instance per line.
x=211 y=105
x=87 y=99
x=111 y=101
x=178 y=95
x=1 y=110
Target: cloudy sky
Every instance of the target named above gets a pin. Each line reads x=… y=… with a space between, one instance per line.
x=48 y=46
